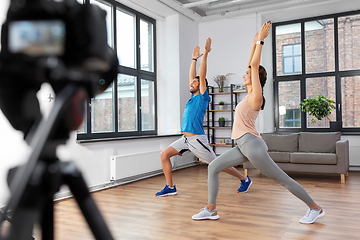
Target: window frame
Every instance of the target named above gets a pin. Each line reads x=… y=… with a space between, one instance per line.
x=137 y=72
x=303 y=75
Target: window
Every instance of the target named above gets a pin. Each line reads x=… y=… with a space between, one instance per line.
x=319 y=46
x=147 y=46
x=292 y=58
x=324 y=86
x=288 y=49
x=147 y=105
x=292 y=118
x=102 y=112
x=126 y=41
x=317 y=56
x=128 y=106
x=349 y=42
x=127 y=102
x=350 y=96
x=289 y=101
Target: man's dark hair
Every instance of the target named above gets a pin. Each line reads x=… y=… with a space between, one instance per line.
x=198 y=78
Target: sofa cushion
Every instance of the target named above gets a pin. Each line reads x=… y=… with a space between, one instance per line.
x=280 y=156
x=318 y=142
x=281 y=143
x=313 y=158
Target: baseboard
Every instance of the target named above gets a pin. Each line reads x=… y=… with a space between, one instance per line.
x=354 y=168
x=68 y=194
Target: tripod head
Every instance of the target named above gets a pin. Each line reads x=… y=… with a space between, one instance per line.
x=59 y=42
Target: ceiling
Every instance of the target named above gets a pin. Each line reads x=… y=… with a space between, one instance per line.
x=205 y=10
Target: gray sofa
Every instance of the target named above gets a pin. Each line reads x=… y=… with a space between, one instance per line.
x=307 y=152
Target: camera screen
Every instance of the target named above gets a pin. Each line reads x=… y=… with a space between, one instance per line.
x=37 y=38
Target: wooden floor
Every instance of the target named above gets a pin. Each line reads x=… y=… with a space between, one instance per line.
x=267 y=211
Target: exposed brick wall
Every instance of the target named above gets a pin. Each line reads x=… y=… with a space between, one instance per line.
x=350 y=94
x=101 y=115
x=127 y=114
x=349 y=42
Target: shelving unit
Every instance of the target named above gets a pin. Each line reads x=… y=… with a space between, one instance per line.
x=211 y=125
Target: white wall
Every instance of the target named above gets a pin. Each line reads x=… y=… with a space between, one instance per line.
x=231 y=39
x=188 y=39
x=178 y=37
x=168 y=76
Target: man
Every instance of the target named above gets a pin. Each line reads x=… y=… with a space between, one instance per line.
x=194 y=138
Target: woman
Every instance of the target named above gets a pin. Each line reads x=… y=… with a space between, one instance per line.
x=250 y=145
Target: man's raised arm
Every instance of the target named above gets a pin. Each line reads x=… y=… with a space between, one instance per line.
x=195 y=56
x=203 y=66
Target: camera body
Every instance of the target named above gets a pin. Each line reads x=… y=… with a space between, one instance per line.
x=59 y=42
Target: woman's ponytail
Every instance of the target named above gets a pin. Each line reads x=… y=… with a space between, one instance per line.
x=262 y=77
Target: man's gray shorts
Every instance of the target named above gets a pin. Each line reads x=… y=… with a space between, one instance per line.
x=197 y=144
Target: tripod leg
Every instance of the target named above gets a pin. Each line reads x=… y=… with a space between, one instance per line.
x=73 y=178
x=47 y=219
x=22 y=221
x=10 y=221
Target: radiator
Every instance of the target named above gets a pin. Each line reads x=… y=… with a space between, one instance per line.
x=354 y=155
x=125 y=166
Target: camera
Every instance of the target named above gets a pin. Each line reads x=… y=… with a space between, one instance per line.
x=58 y=42
x=63 y=43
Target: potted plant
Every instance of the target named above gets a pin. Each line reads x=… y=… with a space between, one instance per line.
x=221 y=105
x=221 y=122
x=220 y=80
x=319 y=107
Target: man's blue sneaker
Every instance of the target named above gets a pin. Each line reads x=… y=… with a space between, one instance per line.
x=244 y=185
x=167 y=191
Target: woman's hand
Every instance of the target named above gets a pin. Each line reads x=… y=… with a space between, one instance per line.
x=264 y=31
x=256 y=38
x=196 y=53
x=207 y=47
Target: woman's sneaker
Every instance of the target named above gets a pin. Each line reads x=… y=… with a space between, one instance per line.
x=167 y=191
x=205 y=213
x=244 y=185
x=311 y=215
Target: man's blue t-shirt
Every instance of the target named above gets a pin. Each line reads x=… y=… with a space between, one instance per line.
x=194 y=113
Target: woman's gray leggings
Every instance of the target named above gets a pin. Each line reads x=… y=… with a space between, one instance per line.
x=253 y=149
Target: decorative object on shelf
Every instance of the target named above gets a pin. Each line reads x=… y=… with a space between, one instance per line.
x=221 y=105
x=220 y=80
x=221 y=122
x=239 y=87
x=317 y=106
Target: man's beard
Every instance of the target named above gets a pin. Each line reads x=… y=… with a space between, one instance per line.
x=193 y=90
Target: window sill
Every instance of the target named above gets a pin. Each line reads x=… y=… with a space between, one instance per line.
x=125 y=138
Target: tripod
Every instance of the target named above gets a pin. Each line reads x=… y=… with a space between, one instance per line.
x=35 y=183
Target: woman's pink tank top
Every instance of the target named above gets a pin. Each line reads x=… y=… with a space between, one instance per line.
x=244 y=121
